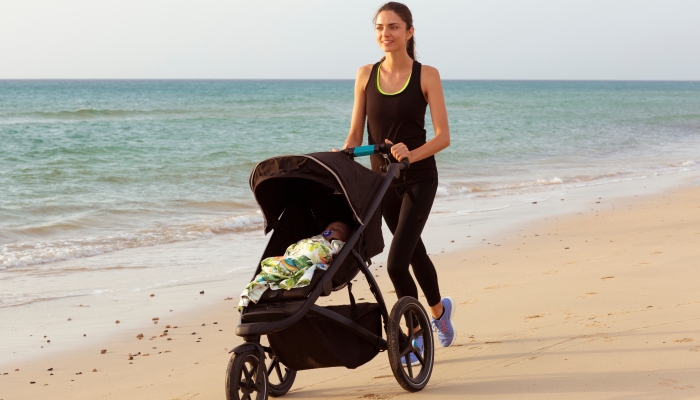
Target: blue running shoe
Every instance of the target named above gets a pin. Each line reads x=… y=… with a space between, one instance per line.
x=418 y=343
x=443 y=326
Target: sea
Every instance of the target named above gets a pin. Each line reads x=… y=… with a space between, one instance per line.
x=114 y=189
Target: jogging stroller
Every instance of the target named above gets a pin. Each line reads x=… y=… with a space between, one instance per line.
x=298 y=196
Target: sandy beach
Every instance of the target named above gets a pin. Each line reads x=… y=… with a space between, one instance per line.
x=601 y=303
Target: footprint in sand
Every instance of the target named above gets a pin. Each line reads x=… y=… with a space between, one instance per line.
x=554 y=271
x=467 y=302
x=674 y=384
x=496 y=287
x=534 y=316
x=684 y=340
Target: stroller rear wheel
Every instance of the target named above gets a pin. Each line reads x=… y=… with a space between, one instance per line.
x=242 y=379
x=408 y=323
x=280 y=378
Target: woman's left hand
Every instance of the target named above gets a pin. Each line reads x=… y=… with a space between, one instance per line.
x=399 y=150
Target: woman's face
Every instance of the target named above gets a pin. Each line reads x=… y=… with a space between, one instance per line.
x=391 y=32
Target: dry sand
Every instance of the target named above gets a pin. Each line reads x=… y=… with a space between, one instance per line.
x=602 y=304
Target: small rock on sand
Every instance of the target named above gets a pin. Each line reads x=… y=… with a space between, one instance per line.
x=215 y=323
x=155 y=319
x=167 y=326
x=144 y=354
x=78 y=373
x=170 y=338
x=32 y=382
x=229 y=298
x=203 y=324
x=16 y=369
x=194 y=333
x=94 y=370
x=153 y=295
x=202 y=292
x=139 y=336
x=70 y=319
x=103 y=351
x=50 y=369
x=155 y=322
x=48 y=341
x=116 y=322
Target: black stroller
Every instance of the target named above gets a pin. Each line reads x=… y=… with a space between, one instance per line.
x=298 y=196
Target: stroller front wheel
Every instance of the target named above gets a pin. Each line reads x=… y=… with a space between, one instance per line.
x=280 y=378
x=242 y=379
x=411 y=363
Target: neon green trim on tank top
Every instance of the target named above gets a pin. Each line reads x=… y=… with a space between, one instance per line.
x=392 y=94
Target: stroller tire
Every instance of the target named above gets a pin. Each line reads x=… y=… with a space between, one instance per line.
x=242 y=379
x=405 y=314
x=282 y=376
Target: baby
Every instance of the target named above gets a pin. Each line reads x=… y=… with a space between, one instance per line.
x=296 y=267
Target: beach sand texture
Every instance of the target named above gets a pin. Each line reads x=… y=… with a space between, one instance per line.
x=599 y=304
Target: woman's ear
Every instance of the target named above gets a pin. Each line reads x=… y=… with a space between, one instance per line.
x=410 y=34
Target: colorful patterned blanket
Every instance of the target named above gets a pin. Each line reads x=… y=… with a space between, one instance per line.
x=292 y=270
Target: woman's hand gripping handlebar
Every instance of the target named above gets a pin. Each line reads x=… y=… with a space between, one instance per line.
x=383 y=148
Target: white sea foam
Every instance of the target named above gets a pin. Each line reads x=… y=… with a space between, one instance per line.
x=26 y=254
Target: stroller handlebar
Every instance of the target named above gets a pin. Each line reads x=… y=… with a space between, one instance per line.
x=382 y=148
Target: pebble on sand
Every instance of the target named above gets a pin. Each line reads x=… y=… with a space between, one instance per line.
x=194 y=333
x=229 y=298
x=103 y=351
x=202 y=292
x=139 y=336
x=167 y=326
x=215 y=323
x=70 y=319
x=116 y=322
x=16 y=369
x=48 y=341
x=32 y=382
x=155 y=319
x=153 y=295
x=170 y=338
x=94 y=370
x=163 y=334
x=155 y=322
x=78 y=373
x=144 y=354
x=50 y=369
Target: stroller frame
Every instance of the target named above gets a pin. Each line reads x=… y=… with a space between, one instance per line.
x=251 y=332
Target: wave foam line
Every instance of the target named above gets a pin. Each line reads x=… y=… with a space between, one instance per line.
x=26 y=254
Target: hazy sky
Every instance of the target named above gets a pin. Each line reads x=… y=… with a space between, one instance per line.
x=233 y=39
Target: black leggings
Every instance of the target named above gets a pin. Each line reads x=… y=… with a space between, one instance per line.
x=406 y=221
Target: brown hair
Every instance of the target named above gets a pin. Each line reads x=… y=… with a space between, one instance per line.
x=405 y=14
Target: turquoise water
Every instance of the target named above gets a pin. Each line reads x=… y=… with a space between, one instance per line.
x=90 y=168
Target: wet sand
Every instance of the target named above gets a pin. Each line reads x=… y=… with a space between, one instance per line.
x=596 y=304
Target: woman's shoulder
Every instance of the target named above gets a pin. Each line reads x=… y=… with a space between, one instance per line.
x=427 y=71
x=364 y=71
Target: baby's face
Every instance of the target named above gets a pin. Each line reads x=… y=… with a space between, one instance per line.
x=339 y=231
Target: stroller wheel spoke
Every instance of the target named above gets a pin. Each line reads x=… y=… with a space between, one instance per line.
x=409 y=367
x=419 y=356
x=279 y=372
x=273 y=365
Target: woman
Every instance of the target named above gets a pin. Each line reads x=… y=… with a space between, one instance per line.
x=392 y=95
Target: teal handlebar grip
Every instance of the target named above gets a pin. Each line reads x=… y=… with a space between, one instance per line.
x=364 y=150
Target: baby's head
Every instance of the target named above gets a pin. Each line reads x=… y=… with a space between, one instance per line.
x=336 y=231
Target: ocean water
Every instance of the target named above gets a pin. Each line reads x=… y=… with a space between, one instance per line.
x=112 y=188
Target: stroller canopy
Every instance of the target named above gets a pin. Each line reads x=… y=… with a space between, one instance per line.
x=328 y=186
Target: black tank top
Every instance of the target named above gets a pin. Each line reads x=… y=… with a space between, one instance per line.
x=400 y=118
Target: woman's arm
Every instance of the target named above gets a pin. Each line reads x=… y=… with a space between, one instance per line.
x=432 y=90
x=357 y=122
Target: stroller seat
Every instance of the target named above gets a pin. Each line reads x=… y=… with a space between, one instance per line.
x=292 y=294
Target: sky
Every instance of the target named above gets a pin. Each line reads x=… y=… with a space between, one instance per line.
x=331 y=39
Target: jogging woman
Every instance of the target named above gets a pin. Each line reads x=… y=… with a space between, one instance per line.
x=392 y=96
